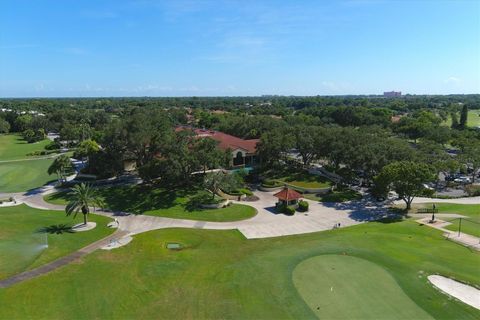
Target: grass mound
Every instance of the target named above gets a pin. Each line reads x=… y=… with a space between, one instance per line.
x=157 y=201
x=340 y=195
x=346 y=287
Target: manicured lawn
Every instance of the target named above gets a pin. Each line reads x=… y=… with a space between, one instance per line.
x=13 y=147
x=326 y=282
x=219 y=274
x=305 y=180
x=470 y=225
x=472 y=121
x=473 y=118
x=335 y=196
x=21 y=245
x=17 y=176
x=160 y=202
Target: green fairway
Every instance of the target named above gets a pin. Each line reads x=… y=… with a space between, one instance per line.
x=21 y=245
x=470 y=225
x=473 y=119
x=219 y=274
x=345 y=287
x=160 y=202
x=17 y=176
x=13 y=147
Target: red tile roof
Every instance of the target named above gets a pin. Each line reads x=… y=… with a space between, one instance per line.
x=225 y=141
x=288 y=194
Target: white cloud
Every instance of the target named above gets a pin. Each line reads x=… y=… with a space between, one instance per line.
x=452 y=80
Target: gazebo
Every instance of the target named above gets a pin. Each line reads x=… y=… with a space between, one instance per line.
x=288 y=197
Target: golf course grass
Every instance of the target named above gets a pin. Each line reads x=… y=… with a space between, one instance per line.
x=342 y=195
x=473 y=119
x=219 y=274
x=470 y=224
x=305 y=180
x=13 y=147
x=367 y=290
x=18 y=176
x=19 y=172
x=22 y=243
x=160 y=202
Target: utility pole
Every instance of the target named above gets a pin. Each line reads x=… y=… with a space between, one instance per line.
x=459 y=226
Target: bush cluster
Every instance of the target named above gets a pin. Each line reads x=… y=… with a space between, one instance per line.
x=270 y=183
x=302 y=205
x=289 y=210
x=473 y=190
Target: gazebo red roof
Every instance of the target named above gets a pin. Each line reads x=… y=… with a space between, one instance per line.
x=288 y=194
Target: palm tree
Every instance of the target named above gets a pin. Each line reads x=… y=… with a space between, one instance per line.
x=59 y=166
x=83 y=196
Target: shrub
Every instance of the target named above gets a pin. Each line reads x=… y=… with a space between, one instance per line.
x=428 y=193
x=245 y=191
x=473 y=190
x=289 y=210
x=280 y=207
x=269 y=183
x=302 y=205
x=53 y=145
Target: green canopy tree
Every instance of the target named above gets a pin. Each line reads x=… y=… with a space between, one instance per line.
x=305 y=143
x=216 y=181
x=83 y=197
x=463 y=117
x=87 y=148
x=4 y=126
x=207 y=154
x=406 y=178
x=273 y=145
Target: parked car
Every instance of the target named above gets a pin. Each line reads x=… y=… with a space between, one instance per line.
x=463 y=179
x=449 y=178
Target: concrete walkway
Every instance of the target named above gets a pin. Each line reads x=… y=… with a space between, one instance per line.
x=462 y=238
x=267 y=223
x=466 y=200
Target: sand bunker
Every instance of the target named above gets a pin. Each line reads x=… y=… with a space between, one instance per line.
x=465 y=293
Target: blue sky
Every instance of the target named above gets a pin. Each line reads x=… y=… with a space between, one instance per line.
x=207 y=48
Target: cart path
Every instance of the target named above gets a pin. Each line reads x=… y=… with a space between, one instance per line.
x=51 y=266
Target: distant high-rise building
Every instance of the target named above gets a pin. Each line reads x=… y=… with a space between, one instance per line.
x=390 y=94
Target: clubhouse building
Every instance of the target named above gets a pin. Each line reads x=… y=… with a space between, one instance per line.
x=244 y=152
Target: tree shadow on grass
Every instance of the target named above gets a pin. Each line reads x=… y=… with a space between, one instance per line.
x=367 y=209
x=139 y=199
x=39 y=190
x=56 y=229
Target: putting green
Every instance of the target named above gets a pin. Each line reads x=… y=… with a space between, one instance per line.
x=346 y=287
